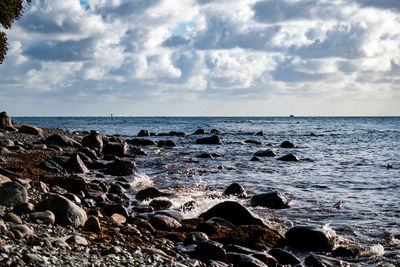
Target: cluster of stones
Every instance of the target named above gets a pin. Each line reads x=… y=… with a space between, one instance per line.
x=97 y=216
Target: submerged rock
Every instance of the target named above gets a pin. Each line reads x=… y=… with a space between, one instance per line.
x=308 y=238
x=271 y=200
x=254 y=142
x=265 y=153
x=289 y=157
x=287 y=144
x=164 y=143
x=143 y=133
x=141 y=142
x=212 y=140
x=199 y=131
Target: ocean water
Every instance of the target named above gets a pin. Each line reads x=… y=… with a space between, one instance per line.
x=346 y=162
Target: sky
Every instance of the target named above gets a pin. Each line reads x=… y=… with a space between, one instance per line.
x=203 y=58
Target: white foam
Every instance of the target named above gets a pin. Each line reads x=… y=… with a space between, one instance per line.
x=140 y=182
x=376 y=250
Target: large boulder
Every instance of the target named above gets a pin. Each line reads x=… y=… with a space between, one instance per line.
x=12 y=193
x=115 y=148
x=93 y=141
x=62 y=140
x=271 y=200
x=29 y=129
x=233 y=212
x=65 y=211
x=308 y=238
x=212 y=140
x=121 y=168
x=5 y=122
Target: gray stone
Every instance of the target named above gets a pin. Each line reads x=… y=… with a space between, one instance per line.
x=117 y=149
x=46 y=217
x=12 y=193
x=77 y=239
x=23 y=229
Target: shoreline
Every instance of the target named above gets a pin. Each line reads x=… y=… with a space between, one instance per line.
x=133 y=231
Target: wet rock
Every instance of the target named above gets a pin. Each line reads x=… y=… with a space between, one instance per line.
x=160 y=204
x=29 y=129
x=23 y=208
x=215 y=131
x=93 y=141
x=260 y=133
x=253 y=142
x=208 y=156
x=12 y=193
x=150 y=192
x=77 y=239
x=50 y=165
x=141 y=142
x=179 y=134
x=110 y=209
x=265 y=153
x=307 y=238
x=314 y=260
x=243 y=260
x=117 y=149
x=188 y=206
x=46 y=217
x=6 y=143
x=164 y=143
x=163 y=222
x=289 y=157
x=284 y=257
x=138 y=152
x=208 y=249
x=195 y=238
x=76 y=165
x=12 y=218
x=65 y=211
x=143 y=133
x=121 y=168
x=222 y=222
x=255 y=159
x=62 y=140
x=346 y=252
x=212 y=140
x=287 y=144
x=199 y=131
x=72 y=184
x=232 y=212
x=235 y=189
x=89 y=153
x=271 y=200
x=5 y=122
x=92 y=224
x=116 y=189
x=266 y=258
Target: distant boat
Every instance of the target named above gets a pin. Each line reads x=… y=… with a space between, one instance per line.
x=291 y=116
x=111 y=117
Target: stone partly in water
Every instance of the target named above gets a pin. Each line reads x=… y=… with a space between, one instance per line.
x=93 y=141
x=121 y=168
x=308 y=238
x=12 y=193
x=29 y=129
x=233 y=212
x=235 y=189
x=143 y=133
x=314 y=260
x=287 y=144
x=212 y=140
x=289 y=157
x=66 y=212
x=160 y=204
x=254 y=142
x=150 y=192
x=271 y=200
x=199 y=131
x=265 y=153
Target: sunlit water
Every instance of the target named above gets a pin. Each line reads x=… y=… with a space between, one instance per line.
x=346 y=161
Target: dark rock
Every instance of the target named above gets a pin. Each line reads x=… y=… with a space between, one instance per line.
x=12 y=193
x=110 y=209
x=346 y=252
x=239 y=249
x=121 y=168
x=235 y=189
x=117 y=149
x=287 y=144
x=189 y=205
x=66 y=212
x=23 y=229
x=76 y=165
x=179 y=134
x=142 y=209
x=208 y=249
x=243 y=260
x=72 y=184
x=8 y=173
x=150 y=192
x=89 y=153
x=33 y=259
x=271 y=200
x=232 y=212
x=284 y=257
x=116 y=189
x=23 y=208
x=163 y=222
x=74 y=198
x=93 y=141
x=199 y=131
x=215 y=131
x=260 y=133
x=46 y=217
x=138 y=152
x=163 y=143
x=29 y=129
x=50 y=166
x=4 y=151
x=208 y=156
x=254 y=142
x=143 y=133
x=212 y=140
x=131 y=231
x=194 y=238
x=266 y=258
x=265 y=153
x=141 y=142
x=314 y=260
x=62 y=140
x=7 y=143
x=308 y=238
x=222 y=222
x=92 y=224
x=5 y=122
x=255 y=159
x=160 y=204
x=289 y=157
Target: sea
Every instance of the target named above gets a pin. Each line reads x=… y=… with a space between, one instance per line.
x=348 y=181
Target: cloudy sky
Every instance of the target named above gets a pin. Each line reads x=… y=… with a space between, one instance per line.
x=203 y=57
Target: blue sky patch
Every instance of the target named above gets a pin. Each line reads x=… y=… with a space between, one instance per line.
x=182 y=28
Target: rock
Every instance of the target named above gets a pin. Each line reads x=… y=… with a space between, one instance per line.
x=215 y=131
x=141 y=142
x=287 y=144
x=12 y=193
x=255 y=159
x=121 y=168
x=308 y=238
x=163 y=222
x=46 y=217
x=62 y=140
x=72 y=184
x=5 y=122
x=284 y=257
x=33 y=259
x=93 y=141
x=199 y=131
x=314 y=260
x=164 y=143
x=254 y=142
x=29 y=129
x=89 y=153
x=65 y=211
x=92 y=224
x=7 y=143
x=23 y=229
x=222 y=222
x=110 y=209
x=76 y=165
x=50 y=165
x=207 y=250
x=179 y=134
x=212 y=140
x=4 y=179
x=143 y=133
x=58 y=243
x=265 y=153
x=235 y=189
x=271 y=200
x=243 y=260
x=232 y=212
x=117 y=149
x=260 y=133
x=130 y=230
x=116 y=189
x=346 y=252
x=135 y=151
x=160 y=204
x=12 y=218
x=77 y=239
x=266 y=258
x=3 y=227
x=289 y=157
x=118 y=218
x=23 y=208
x=194 y=238
x=4 y=151
x=150 y=192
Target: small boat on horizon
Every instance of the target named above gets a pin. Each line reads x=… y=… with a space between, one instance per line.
x=291 y=116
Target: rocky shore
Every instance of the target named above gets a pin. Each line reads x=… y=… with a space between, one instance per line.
x=52 y=214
